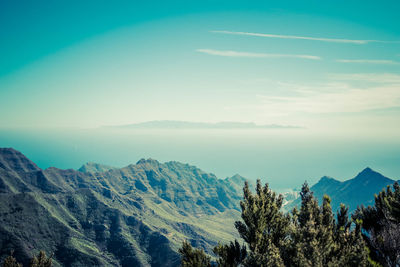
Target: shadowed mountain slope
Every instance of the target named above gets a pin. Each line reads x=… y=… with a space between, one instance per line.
x=353 y=192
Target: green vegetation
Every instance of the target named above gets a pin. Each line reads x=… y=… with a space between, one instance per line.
x=10 y=261
x=139 y=215
x=310 y=236
x=230 y=255
x=381 y=226
x=41 y=260
x=193 y=257
x=133 y=216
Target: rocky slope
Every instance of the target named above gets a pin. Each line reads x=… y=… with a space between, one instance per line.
x=134 y=216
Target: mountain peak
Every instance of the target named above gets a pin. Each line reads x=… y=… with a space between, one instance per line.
x=323 y=178
x=324 y=183
x=371 y=177
x=236 y=179
x=327 y=179
x=148 y=161
x=369 y=174
x=92 y=167
x=16 y=161
x=368 y=170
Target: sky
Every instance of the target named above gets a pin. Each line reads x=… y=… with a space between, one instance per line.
x=330 y=67
x=321 y=65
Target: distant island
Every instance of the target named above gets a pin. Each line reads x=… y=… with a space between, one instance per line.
x=171 y=124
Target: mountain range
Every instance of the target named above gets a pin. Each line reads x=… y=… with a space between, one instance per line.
x=137 y=215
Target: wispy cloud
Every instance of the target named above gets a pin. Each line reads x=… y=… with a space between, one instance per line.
x=367 y=77
x=321 y=39
x=368 y=61
x=228 y=53
x=316 y=99
x=353 y=100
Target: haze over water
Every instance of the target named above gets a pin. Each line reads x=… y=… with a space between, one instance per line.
x=285 y=158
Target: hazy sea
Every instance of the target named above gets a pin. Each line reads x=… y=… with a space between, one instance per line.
x=283 y=158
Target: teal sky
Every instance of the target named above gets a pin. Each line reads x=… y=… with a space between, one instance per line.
x=325 y=65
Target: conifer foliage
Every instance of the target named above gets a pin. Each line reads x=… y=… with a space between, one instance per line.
x=230 y=255
x=10 y=261
x=41 y=260
x=381 y=226
x=193 y=257
x=308 y=237
x=264 y=227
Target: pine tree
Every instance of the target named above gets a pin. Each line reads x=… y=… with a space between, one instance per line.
x=41 y=260
x=231 y=255
x=308 y=238
x=319 y=240
x=327 y=231
x=191 y=257
x=350 y=248
x=381 y=225
x=342 y=228
x=10 y=261
x=271 y=257
x=303 y=238
x=264 y=227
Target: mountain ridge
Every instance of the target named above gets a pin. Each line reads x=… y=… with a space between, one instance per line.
x=137 y=215
x=94 y=167
x=359 y=190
